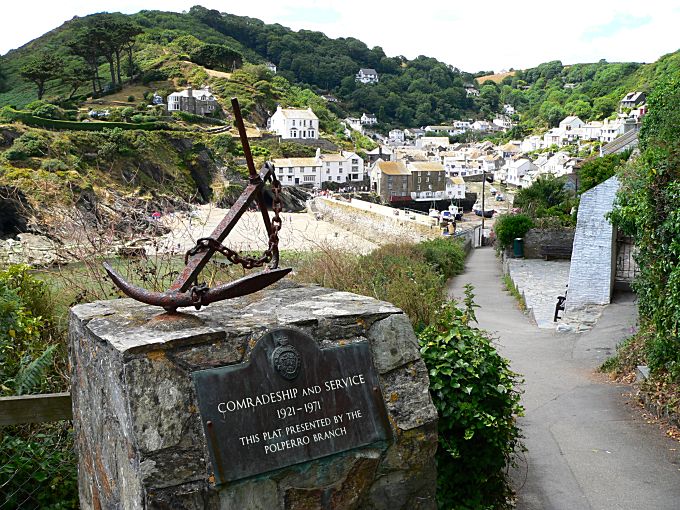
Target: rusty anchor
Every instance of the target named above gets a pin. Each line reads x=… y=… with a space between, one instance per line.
x=185 y=290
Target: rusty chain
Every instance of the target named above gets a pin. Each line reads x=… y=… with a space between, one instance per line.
x=271 y=254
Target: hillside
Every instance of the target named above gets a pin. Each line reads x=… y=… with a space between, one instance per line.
x=546 y=94
x=410 y=92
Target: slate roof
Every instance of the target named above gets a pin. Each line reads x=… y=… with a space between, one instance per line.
x=393 y=168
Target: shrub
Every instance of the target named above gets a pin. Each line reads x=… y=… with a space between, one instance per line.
x=510 y=226
x=475 y=394
x=27 y=145
x=49 y=111
x=53 y=165
x=397 y=273
x=131 y=99
x=27 y=333
x=446 y=255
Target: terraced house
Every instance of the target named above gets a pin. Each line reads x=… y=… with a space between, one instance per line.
x=342 y=168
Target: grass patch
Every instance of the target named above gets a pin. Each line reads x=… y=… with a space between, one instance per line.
x=514 y=292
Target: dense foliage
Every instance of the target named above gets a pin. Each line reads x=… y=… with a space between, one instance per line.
x=598 y=170
x=648 y=208
x=549 y=92
x=510 y=226
x=476 y=396
x=547 y=197
x=411 y=276
x=28 y=339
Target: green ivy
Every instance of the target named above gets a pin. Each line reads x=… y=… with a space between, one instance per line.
x=477 y=399
x=648 y=208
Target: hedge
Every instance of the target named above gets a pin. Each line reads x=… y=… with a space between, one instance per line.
x=9 y=114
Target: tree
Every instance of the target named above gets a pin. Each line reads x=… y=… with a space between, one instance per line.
x=217 y=56
x=76 y=74
x=42 y=68
x=3 y=79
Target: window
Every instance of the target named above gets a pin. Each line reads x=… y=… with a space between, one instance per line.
x=340 y=170
x=309 y=178
x=311 y=134
x=293 y=124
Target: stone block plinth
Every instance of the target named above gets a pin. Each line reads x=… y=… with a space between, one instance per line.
x=141 y=439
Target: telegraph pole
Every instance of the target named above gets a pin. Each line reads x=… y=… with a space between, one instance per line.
x=483 y=184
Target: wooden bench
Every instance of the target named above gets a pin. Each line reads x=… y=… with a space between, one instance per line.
x=559 y=306
x=555 y=251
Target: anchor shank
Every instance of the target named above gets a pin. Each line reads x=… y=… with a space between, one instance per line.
x=197 y=262
x=244 y=138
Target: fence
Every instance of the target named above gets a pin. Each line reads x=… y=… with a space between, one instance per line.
x=37 y=460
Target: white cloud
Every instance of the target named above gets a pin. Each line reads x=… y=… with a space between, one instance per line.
x=472 y=36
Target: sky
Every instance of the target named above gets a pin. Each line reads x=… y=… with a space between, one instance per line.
x=471 y=35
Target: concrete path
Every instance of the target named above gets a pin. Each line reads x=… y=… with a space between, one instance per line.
x=588 y=445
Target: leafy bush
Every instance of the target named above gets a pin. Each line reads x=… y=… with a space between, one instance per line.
x=131 y=99
x=27 y=333
x=446 y=255
x=476 y=396
x=27 y=145
x=53 y=165
x=49 y=111
x=39 y=468
x=190 y=117
x=510 y=226
x=648 y=208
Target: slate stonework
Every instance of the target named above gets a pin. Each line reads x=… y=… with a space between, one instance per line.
x=593 y=260
x=139 y=436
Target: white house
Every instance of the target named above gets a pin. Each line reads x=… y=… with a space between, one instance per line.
x=502 y=122
x=368 y=119
x=481 y=125
x=508 y=109
x=432 y=142
x=516 y=169
x=271 y=66
x=455 y=188
x=367 y=76
x=342 y=168
x=471 y=92
x=611 y=129
x=198 y=102
x=354 y=124
x=531 y=143
x=397 y=136
x=290 y=123
x=571 y=129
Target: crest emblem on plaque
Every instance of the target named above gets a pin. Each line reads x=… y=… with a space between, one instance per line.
x=286 y=359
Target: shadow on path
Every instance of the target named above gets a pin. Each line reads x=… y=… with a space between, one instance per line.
x=588 y=447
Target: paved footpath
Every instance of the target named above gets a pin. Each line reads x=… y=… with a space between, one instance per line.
x=588 y=446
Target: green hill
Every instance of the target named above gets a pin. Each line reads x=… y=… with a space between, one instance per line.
x=546 y=94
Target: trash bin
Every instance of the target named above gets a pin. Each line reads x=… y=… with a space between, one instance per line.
x=518 y=247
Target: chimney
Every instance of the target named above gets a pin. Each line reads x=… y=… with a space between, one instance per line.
x=318 y=153
x=190 y=91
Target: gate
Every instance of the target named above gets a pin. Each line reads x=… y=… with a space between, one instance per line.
x=626 y=267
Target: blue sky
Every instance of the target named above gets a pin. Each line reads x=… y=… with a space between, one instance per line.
x=473 y=36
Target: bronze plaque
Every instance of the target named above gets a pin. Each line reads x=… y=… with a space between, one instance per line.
x=291 y=402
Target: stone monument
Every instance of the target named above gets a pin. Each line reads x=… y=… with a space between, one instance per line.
x=297 y=397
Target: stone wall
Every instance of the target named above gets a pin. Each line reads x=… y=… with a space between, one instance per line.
x=139 y=435
x=374 y=226
x=591 y=275
x=537 y=237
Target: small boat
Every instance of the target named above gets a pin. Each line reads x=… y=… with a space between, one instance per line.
x=488 y=213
